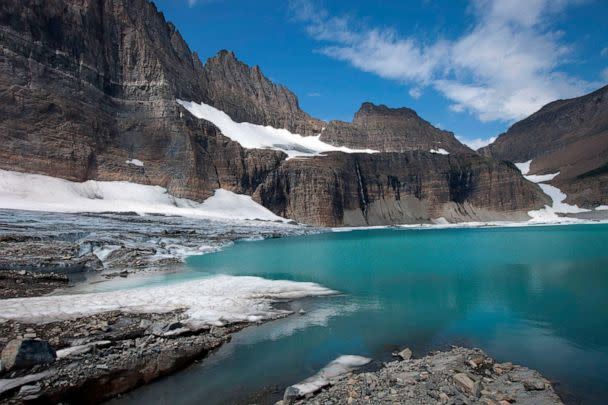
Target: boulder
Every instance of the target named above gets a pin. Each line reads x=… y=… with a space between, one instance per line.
x=405 y=354
x=467 y=384
x=20 y=353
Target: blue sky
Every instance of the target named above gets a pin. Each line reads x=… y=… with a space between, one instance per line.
x=469 y=66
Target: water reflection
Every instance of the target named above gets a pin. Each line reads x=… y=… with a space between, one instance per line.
x=535 y=296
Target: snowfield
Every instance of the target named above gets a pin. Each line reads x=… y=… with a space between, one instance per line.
x=35 y=192
x=215 y=300
x=253 y=136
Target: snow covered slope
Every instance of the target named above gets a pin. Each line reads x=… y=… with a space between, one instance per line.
x=253 y=136
x=36 y=192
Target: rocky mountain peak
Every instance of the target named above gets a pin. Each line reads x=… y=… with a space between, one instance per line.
x=368 y=109
x=390 y=130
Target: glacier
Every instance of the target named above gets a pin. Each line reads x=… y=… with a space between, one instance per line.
x=254 y=136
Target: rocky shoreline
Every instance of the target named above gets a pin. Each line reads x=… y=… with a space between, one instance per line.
x=96 y=358
x=457 y=376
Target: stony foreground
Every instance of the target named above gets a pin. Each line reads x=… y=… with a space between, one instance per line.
x=92 y=359
x=458 y=376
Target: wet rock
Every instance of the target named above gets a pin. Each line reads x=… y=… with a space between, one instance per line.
x=20 y=353
x=405 y=354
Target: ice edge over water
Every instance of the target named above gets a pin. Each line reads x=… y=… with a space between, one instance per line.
x=215 y=300
x=253 y=136
x=336 y=368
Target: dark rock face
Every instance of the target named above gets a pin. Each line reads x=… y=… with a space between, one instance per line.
x=86 y=86
x=390 y=130
x=393 y=188
x=569 y=136
x=27 y=353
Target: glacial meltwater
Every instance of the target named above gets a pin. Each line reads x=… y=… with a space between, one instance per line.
x=536 y=296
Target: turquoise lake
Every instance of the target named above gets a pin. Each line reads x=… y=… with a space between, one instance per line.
x=536 y=296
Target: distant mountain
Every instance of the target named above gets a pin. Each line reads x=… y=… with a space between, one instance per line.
x=88 y=87
x=565 y=136
x=390 y=130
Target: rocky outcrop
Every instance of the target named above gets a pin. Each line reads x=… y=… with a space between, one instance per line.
x=394 y=188
x=565 y=136
x=387 y=129
x=104 y=355
x=456 y=376
x=87 y=87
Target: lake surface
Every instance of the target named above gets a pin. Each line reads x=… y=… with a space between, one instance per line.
x=537 y=296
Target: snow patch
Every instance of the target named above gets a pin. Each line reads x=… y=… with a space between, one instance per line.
x=541 y=178
x=35 y=192
x=135 y=162
x=439 y=151
x=336 y=368
x=558 y=206
x=601 y=208
x=253 y=136
x=215 y=300
x=524 y=167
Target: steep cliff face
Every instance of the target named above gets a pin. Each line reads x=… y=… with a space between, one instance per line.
x=566 y=136
x=88 y=86
x=398 y=188
x=390 y=130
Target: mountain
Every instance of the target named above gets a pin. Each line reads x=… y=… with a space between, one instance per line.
x=89 y=87
x=246 y=95
x=390 y=130
x=565 y=136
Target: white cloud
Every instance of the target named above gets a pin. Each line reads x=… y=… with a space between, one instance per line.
x=504 y=67
x=477 y=142
x=604 y=74
x=604 y=52
x=415 y=92
x=314 y=94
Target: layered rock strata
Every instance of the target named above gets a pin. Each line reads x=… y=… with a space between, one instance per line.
x=387 y=129
x=88 y=88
